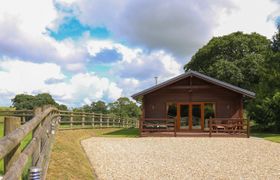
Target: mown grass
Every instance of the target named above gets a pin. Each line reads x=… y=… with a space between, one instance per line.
x=268 y=136
x=68 y=159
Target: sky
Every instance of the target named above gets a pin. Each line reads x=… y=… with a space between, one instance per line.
x=81 y=51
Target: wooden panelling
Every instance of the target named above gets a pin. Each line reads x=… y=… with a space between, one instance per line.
x=227 y=102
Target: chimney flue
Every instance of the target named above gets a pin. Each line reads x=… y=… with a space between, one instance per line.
x=156 y=80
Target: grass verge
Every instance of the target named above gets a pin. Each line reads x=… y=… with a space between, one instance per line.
x=68 y=159
x=268 y=136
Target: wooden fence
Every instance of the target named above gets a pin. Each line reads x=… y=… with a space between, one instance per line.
x=73 y=120
x=42 y=127
x=151 y=126
x=25 y=115
x=42 y=124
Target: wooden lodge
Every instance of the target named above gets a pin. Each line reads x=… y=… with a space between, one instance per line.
x=193 y=104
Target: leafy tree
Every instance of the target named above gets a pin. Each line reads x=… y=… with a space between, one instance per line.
x=265 y=108
x=236 y=58
x=250 y=61
x=99 y=107
x=25 y=101
x=62 y=107
x=275 y=45
x=266 y=112
x=44 y=99
x=123 y=107
x=223 y=69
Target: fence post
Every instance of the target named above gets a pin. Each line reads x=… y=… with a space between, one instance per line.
x=83 y=119
x=108 y=118
x=92 y=123
x=248 y=128
x=36 y=153
x=113 y=125
x=23 y=118
x=210 y=127
x=71 y=120
x=10 y=124
x=100 y=122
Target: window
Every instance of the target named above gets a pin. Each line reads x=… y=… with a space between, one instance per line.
x=171 y=110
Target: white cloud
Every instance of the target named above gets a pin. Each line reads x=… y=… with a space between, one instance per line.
x=177 y=26
x=20 y=76
x=249 y=16
x=139 y=73
x=31 y=16
x=128 y=54
x=23 y=33
x=26 y=77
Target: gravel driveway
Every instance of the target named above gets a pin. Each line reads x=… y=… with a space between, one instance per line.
x=183 y=158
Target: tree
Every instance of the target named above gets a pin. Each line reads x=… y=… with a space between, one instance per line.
x=123 y=107
x=25 y=101
x=275 y=45
x=44 y=99
x=62 y=107
x=250 y=61
x=265 y=108
x=99 y=107
x=236 y=58
x=223 y=69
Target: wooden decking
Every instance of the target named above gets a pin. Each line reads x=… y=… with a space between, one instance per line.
x=218 y=127
x=189 y=134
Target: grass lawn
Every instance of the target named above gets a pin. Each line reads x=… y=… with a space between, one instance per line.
x=68 y=159
x=268 y=136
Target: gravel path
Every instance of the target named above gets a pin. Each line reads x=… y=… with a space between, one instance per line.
x=183 y=158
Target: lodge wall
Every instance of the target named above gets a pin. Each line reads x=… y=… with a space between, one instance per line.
x=192 y=90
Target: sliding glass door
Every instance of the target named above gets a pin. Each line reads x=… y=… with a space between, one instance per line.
x=184 y=116
x=196 y=116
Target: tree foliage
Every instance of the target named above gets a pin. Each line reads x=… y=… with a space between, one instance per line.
x=250 y=61
x=25 y=101
x=122 y=107
x=236 y=58
x=97 y=107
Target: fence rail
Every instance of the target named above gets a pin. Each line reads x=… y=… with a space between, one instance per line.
x=25 y=115
x=233 y=126
x=153 y=125
x=42 y=126
x=72 y=120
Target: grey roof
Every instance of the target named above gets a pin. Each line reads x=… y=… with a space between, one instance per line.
x=200 y=76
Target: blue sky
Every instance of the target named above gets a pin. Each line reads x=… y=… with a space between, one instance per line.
x=81 y=51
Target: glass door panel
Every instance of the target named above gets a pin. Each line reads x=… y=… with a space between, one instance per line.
x=171 y=114
x=209 y=111
x=184 y=116
x=196 y=116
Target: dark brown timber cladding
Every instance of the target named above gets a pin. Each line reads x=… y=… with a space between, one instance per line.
x=192 y=89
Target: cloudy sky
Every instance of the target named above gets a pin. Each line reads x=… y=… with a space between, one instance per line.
x=81 y=51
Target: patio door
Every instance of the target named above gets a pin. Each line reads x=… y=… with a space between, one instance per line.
x=190 y=116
